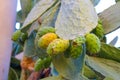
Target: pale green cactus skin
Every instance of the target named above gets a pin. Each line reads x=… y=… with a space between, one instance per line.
x=92 y=44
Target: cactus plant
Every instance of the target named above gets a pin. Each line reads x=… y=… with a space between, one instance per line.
x=66 y=34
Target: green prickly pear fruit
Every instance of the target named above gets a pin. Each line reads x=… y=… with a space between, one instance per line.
x=57 y=46
x=79 y=40
x=98 y=31
x=39 y=65
x=77 y=47
x=24 y=36
x=92 y=43
x=99 y=21
x=42 y=63
x=75 y=51
x=16 y=35
x=44 y=30
x=47 y=62
x=44 y=41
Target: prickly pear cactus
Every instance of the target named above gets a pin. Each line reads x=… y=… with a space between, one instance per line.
x=76 y=47
x=42 y=63
x=64 y=36
x=99 y=31
x=46 y=39
x=57 y=46
x=16 y=35
x=19 y=37
x=93 y=44
x=45 y=30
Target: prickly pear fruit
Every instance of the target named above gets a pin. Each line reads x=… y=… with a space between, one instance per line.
x=16 y=35
x=79 y=40
x=47 y=62
x=42 y=63
x=57 y=46
x=77 y=47
x=43 y=30
x=99 y=21
x=39 y=65
x=44 y=41
x=92 y=43
x=98 y=31
x=24 y=36
x=75 y=51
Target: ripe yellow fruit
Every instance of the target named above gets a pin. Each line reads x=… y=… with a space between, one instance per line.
x=57 y=46
x=44 y=41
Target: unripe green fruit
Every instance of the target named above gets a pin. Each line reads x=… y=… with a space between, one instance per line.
x=79 y=40
x=57 y=46
x=76 y=51
x=44 y=41
x=41 y=64
x=98 y=31
x=44 y=30
x=23 y=37
x=16 y=35
x=99 y=21
x=76 y=47
x=47 y=62
x=92 y=44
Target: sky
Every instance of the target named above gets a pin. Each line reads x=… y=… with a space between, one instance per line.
x=103 y=4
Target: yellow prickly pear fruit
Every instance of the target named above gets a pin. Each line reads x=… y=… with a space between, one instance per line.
x=44 y=41
x=16 y=35
x=92 y=43
x=57 y=46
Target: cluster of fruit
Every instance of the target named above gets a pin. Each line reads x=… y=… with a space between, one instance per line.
x=72 y=48
x=53 y=45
